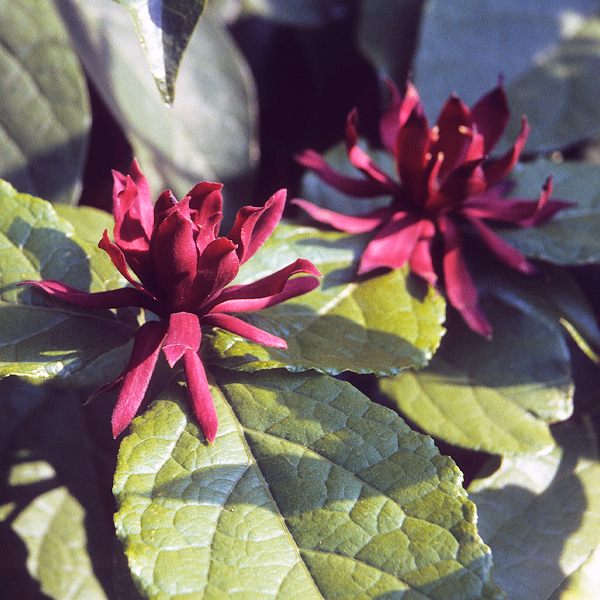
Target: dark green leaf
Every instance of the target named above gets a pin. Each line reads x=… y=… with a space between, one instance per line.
x=493 y=396
x=44 y=111
x=310 y=490
x=571 y=236
x=165 y=28
x=210 y=132
x=541 y=516
x=41 y=338
x=376 y=325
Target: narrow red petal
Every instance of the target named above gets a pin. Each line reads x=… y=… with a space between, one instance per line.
x=421 y=262
x=253 y=225
x=350 y=224
x=205 y=202
x=137 y=374
x=200 y=396
x=351 y=186
x=183 y=334
x=454 y=134
x=510 y=256
x=460 y=289
x=119 y=261
x=119 y=298
x=391 y=120
x=491 y=115
x=243 y=329
x=394 y=243
x=497 y=170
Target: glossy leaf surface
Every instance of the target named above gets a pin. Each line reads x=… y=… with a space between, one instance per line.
x=309 y=489
x=375 y=325
x=44 y=111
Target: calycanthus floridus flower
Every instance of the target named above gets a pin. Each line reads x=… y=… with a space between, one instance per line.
x=184 y=270
x=445 y=181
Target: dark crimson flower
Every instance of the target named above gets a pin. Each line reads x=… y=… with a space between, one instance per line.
x=445 y=181
x=183 y=274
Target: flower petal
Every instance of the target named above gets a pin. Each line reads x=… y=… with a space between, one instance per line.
x=119 y=298
x=200 y=396
x=394 y=243
x=183 y=334
x=357 y=224
x=510 y=256
x=420 y=261
x=499 y=169
x=243 y=329
x=268 y=291
x=397 y=113
x=137 y=374
x=491 y=114
x=460 y=289
x=253 y=225
x=205 y=202
x=351 y=186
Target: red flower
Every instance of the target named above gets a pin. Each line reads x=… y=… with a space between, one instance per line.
x=445 y=181
x=183 y=274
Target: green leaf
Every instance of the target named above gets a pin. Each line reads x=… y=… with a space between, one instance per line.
x=493 y=396
x=541 y=515
x=44 y=104
x=57 y=539
x=42 y=338
x=88 y=223
x=571 y=236
x=464 y=46
x=210 y=131
x=581 y=583
x=558 y=93
x=310 y=490
x=165 y=28
x=375 y=325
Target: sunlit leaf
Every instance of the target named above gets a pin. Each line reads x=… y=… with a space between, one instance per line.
x=541 y=516
x=44 y=110
x=497 y=396
x=165 y=28
x=375 y=325
x=41 y=338
x=310 y=490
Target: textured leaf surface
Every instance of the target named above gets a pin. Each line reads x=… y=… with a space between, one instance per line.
x=541 y=516
x=375 y=325
x=494 y=396
x=44 y=112
x=41 y=338
x=210 y=131
x=165 y=28
x=310 y=490
x=571 y=237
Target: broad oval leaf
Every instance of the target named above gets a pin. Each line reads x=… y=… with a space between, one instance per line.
x=541 y=516
x=44 y=108
x=164 y=27
x=41 y=338
x=310 y=490
x=210 y=131
x=376 y=325
x=571 y=236
x=497 y=396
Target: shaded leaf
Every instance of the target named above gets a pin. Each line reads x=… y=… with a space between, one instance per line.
x=44 y=108
x=374 y=325
x=464 y=46
x=571 y=236
x=41 y=338
x=310 y=490
x=559 y=91
x=497 y=396
x=210 y=132
x=165 y=28
x=541 y=515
